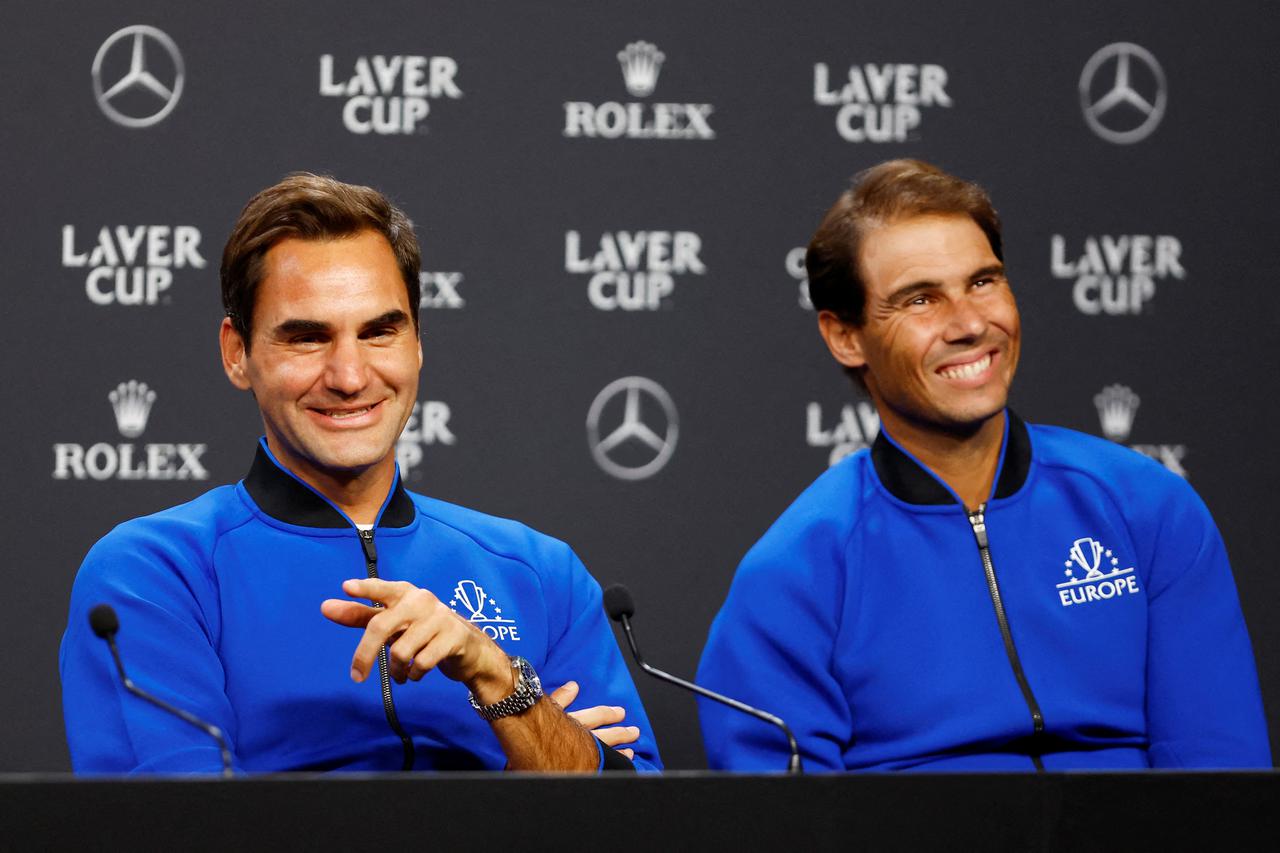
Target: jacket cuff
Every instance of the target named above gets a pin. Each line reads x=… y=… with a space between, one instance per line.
x=611 y=759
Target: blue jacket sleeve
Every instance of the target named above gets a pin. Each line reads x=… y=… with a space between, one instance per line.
x=582 y=649
x=168 y=628
x=1204 y=706
x=772 y=646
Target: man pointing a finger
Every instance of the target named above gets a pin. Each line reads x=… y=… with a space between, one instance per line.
x=228 y=603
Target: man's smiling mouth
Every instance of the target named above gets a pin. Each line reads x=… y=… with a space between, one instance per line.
x=342 y=414
x=967 y=371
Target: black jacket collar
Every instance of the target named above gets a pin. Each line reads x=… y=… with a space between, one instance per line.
x=907 y=480
x=282 y=496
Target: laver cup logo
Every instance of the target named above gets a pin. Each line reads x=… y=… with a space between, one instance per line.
x=880 y=102
x=1115 y=274
x=633 y=270
x=641 y=63
x=131 y=403
x=428 y=425
x=854 y=428
x=388 y=94
x=132 y=264
x=138 y=76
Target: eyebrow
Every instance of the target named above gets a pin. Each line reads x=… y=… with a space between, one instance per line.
x=395 y=317
x=297 y=327
x=989 y=270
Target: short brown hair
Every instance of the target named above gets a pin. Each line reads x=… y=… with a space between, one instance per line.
x=309 y=207
x=883 y=194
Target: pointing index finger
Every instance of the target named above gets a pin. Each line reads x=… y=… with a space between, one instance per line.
x=353 y=614
x=374 y=589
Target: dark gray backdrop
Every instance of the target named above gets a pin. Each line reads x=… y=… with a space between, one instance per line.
x=494 y=184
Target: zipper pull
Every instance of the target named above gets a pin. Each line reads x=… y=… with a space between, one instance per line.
x=978 y=520
x=366 y=542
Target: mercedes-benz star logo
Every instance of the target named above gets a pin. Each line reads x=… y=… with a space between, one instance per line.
x=623 y=450
x=1112 y=113
x=159 y=99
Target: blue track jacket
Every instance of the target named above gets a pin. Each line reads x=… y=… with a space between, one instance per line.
x=219 y=605
x=1105 y=633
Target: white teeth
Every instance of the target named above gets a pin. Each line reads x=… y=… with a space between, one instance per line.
x=969 y=370
x=336 y=415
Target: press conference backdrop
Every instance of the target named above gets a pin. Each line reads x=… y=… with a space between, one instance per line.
x=613 y=200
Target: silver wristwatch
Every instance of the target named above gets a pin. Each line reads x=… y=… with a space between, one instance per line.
x=527 y=693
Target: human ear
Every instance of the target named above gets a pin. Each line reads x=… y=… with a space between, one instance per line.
x=233 y=354
x=843 y=339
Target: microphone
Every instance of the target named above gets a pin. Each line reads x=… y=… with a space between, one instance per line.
x=105 y=624
x=620 y=607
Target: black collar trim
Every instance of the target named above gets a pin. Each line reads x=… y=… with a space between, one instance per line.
x=1016 y=464
x=909 y=481
x=284 y=497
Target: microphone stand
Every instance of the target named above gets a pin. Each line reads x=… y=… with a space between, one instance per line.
x=208 y=728
x=794 y=766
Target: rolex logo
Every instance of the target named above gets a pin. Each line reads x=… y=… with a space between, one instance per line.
x=163 y=460
x=132 y=404
x=1117 y=406
x=641 y=62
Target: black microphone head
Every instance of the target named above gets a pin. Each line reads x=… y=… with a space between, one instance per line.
x=103 y=621
x=618 y=603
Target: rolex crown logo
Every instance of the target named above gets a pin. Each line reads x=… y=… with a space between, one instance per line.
x=640 y=62
x=1117 y=406
x=132 y=404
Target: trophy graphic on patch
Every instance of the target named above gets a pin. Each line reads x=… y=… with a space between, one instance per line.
x=1089 y=563
x=471 y=594
x=474 y=598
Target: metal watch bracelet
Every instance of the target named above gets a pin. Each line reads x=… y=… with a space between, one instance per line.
x=528 y=690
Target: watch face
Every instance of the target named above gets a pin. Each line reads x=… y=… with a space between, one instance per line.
x=529 y=676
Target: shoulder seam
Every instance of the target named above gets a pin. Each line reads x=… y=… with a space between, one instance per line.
x=1104 y=487
x=485 y=547
x=213 y=572
x=861 y=517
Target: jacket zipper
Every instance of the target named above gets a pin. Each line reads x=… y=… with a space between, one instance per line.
x=388 y=704
x=977 y=520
